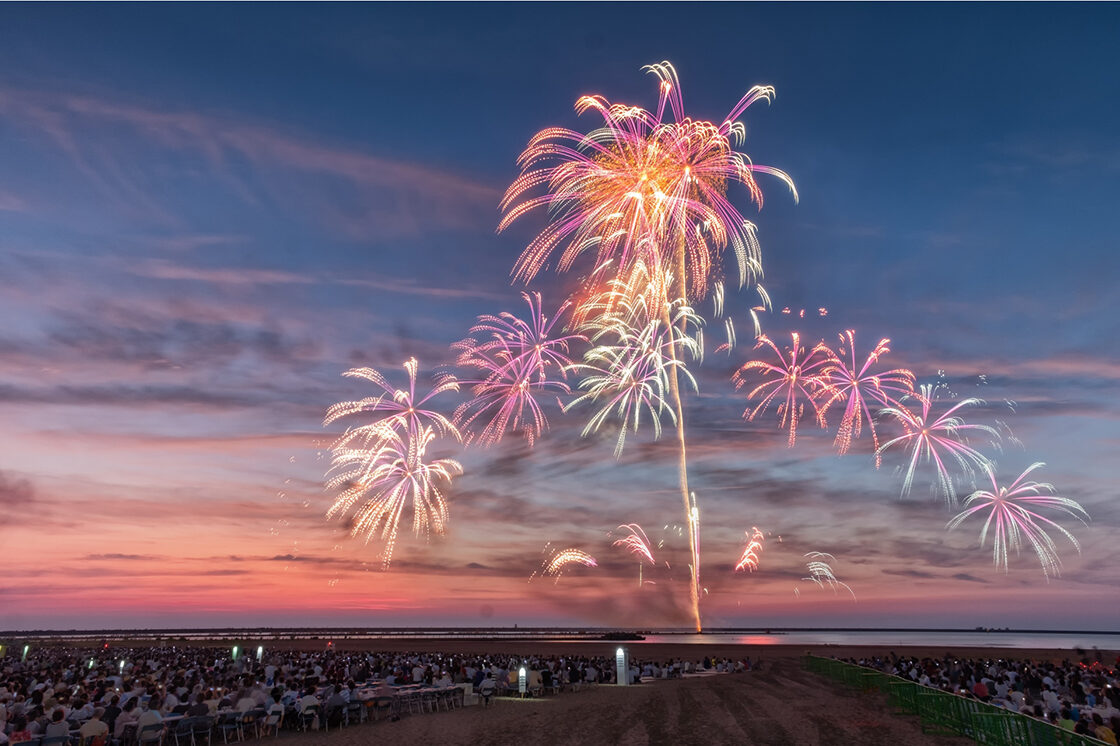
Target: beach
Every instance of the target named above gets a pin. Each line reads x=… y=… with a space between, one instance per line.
x=781 y=704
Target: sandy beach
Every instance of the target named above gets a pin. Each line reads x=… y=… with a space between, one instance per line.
x=779 y=705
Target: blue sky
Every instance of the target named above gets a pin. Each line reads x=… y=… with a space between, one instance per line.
x=207 y=213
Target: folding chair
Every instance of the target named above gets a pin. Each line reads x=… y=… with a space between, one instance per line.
x=183 y=732
x=201 y=728
x=149 y=735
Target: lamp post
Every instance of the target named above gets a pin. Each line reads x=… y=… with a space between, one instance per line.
x=622 y=670
x=522 y=682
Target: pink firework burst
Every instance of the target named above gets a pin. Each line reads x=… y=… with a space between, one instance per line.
x=935 y=440
x=635 y=542
x=1013 y=514
x=752 y=552
x=793 y=380
x=859 y=387
x=518 y=361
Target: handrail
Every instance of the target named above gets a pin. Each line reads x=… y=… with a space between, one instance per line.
x=970 y=717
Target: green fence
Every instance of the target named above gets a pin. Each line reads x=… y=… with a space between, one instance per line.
x=946 y=713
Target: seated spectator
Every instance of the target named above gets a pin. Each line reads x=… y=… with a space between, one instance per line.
x=486 y=688
x=199 y=708
x=149 y=714
x=58 y=725
x=19 y=729
x=129 y=715
x=1102 y=731
x=308 y=700
x=95 y=727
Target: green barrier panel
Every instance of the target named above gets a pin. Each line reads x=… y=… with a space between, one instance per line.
x=936 y=711
x=903 y=697
x=948 y=713
x=853 y=677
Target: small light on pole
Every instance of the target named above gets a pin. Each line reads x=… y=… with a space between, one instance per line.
x=26 y=650
x=522 y=683
x=622 y=671
x=260 y=653
x=235 y=652
x=122 y=665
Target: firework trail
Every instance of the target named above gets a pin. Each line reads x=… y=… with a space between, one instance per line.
x=644 y=188
x=387 y=478
x=791 y=382
x=559 y=560
x=820 y=572
x=935 y=440
x=859 y=388
x=752 y=553
x=517 y=361
x=398 y=409
x=641 y=187
x=1013 y=513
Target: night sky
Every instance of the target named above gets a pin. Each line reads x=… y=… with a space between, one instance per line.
x=209 y=212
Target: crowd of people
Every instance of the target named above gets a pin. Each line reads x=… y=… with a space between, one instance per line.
x=107 y=694
x=1083 y=696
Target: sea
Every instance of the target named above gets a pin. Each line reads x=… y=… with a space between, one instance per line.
x=935 y=638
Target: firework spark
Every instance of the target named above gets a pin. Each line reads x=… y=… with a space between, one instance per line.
x=936 y=439
x=386 y=478
x=791 y=382
x=518 y=361
x=398 y=409
x=627 y=371
x=1013 y=512
x=860 y=388
x=561 y=559
x=636 y=542
x=752 y=553
x=820 y=572
x=641 y=187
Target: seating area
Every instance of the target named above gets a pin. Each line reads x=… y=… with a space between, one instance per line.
x=204 y=696
x=947 y=713
x=231 y=726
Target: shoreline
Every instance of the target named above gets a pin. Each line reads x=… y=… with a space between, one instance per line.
x=637 y=649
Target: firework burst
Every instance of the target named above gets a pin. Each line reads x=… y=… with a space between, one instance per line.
x=859 y=388
x=752 y=552
x=935 y=440
x=387 y=478
x=641 y=187
x=819 y=566
x=561 y=559
x=627 y=371
x=636 y=542
x=1013 y=515
x=395 y=410
x=518 y=362
x=791 y=382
